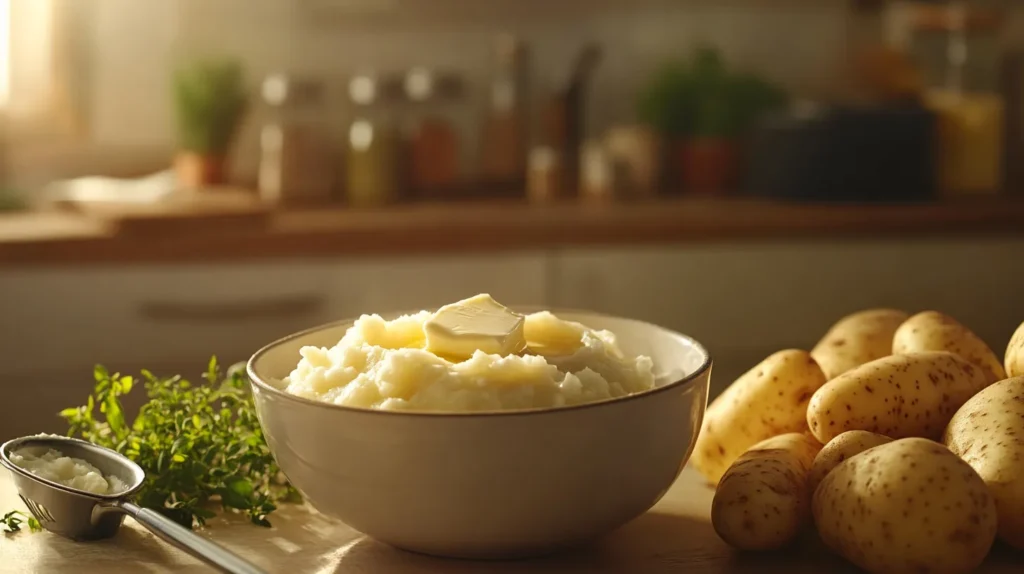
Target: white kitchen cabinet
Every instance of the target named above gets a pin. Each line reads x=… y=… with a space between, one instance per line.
x=746 y=301
x=413 y=283
x=57 y=324
x=56 y=319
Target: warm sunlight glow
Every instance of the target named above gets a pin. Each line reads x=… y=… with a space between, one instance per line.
x=26 y=60
x=5 y=51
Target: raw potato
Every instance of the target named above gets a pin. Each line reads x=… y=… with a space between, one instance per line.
x=1014 y=360
x=907 y=506
x=763 y=501
x=857 y=339
x=844 y=446
x=988 y=433
x=768 y=400
x=898 y=396
x=933 y=331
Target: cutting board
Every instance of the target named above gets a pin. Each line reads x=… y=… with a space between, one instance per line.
x=206 y=212
x=675 y=536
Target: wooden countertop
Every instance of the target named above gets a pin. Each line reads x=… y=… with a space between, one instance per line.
x=675 y=536
x=65 y=238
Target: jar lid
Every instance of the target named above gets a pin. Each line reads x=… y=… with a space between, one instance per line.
x=371 y=89
x=281 y=89
x=424 y=85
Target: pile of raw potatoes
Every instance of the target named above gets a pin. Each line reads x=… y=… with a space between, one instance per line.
x=901 y=438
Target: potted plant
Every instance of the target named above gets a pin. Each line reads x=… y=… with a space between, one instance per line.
x=210 y=99
x=708 y=154
x=704 y=110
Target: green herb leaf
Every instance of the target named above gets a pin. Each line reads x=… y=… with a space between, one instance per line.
x=12 y=521
x=115 y=415
x=126 y=385
x=237 y=493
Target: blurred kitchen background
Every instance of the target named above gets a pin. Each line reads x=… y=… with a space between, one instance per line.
x=195 y=177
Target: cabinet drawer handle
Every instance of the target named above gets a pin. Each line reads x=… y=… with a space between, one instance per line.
x=279 y=308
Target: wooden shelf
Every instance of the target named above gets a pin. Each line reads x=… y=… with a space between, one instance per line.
x=404 y=14
x=45 y=239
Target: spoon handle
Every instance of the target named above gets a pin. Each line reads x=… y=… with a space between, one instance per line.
x=203 y=549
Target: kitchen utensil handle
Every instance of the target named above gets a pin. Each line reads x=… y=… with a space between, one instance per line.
x=176 y=534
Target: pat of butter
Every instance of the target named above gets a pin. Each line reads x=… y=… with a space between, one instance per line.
x=458 y=330
x=547 y=335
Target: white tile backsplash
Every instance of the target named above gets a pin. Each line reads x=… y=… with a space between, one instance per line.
x=129 y=70
x=796 y=42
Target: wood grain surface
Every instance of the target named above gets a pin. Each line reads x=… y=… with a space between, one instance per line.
x=675 y=536
x=483 y=226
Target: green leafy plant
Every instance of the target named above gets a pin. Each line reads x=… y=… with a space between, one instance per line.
x=199 y=444
x=12 y=521
x=11 y=200
x=666 y=103
x=210 y=99
x=701 y=97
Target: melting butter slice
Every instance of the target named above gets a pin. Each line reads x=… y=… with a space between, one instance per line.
x=458 y=330
x=547 y=335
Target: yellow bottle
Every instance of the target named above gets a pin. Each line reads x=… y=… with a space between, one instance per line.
x=970 y=141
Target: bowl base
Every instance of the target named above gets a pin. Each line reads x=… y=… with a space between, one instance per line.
x=492 y=555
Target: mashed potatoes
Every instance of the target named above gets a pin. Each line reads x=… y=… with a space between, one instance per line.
x=386 y=365
x=72 y=472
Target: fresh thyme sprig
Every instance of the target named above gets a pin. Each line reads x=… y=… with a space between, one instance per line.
x=12 y=521
x=199 y=444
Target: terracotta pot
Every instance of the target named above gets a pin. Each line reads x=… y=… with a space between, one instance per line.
x=708 y=166
x=196 y=171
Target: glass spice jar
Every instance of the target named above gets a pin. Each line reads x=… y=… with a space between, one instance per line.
x=958 y=46
x=503 y=146
x=295 y=164
x=373 y=145
x=433 y=141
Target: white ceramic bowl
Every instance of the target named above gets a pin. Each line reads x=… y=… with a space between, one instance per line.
x=491 y=485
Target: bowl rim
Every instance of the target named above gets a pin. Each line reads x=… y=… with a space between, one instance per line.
x=688 y=380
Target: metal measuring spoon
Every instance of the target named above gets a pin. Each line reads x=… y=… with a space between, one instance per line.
x=82 y=516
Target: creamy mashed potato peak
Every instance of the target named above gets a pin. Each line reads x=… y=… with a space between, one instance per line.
x=398 y=364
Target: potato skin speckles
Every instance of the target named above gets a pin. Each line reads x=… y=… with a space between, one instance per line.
x=763 y=500
x=1014 y=357
x=768 y=400
x=841 y=448
x=988 y=433
x=922 y=466
x=933 y=331
x=911 y=395
x=907 y=506
x=856 y=339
